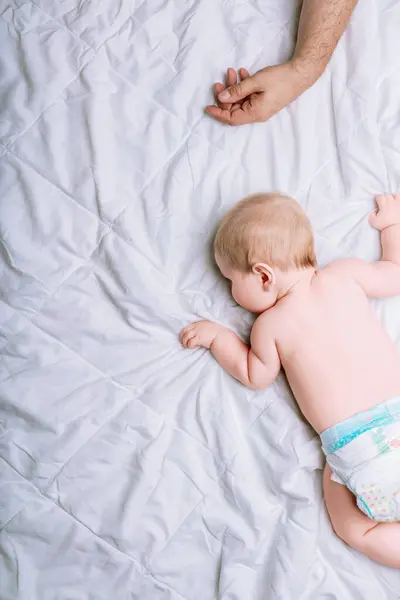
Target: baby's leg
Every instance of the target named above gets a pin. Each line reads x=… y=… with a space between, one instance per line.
x=379 y=541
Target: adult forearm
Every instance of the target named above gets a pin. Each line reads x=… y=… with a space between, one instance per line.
x=390 y=240
x=321 y=25
x=232 y=354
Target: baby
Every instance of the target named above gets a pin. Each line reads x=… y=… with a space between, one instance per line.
x=341 y=364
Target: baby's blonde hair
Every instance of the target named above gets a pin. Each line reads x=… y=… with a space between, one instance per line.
x=268 y=228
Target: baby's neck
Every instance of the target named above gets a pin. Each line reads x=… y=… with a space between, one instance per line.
x=291 y=282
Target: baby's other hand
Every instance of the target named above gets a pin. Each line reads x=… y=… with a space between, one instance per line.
x=387 y=213
x=199 y=334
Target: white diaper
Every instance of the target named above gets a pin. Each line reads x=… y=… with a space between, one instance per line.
x=364 y=454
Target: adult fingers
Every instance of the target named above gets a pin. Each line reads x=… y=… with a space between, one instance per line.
x=237 y=106
x=218 y=88
x=243 y=74
x=239 y=116
x=231 y=79
x=240 y=90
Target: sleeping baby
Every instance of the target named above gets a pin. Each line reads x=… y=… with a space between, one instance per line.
x=341 y=364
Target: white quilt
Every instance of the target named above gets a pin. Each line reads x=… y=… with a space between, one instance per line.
x=131 y=469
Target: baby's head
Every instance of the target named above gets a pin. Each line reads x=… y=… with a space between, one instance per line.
x=259 y=241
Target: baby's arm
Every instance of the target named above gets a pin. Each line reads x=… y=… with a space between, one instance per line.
x=256 y=366
x=380 y=279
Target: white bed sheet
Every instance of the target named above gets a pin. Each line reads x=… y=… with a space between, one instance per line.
x=130 y=468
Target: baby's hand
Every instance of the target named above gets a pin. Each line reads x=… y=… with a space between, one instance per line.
x=387 y=213
x=202 y=333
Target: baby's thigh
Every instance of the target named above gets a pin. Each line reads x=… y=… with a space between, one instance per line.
x=382 y=544
x=378 y=541
x=346 y=518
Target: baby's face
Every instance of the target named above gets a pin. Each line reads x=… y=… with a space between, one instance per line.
x=248 y=289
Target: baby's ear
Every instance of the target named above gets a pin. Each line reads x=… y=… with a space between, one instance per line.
x=265 y=272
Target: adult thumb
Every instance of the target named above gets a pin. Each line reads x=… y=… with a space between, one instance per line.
x=240 y=90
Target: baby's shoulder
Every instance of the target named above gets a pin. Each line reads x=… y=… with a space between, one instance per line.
x=335 y=278
x=272 y=320
x=340 y=269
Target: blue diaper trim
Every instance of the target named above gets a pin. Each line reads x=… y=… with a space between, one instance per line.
x=339 y=435
x=365 y=507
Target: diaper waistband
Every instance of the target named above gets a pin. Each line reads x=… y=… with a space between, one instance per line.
x=339 y=435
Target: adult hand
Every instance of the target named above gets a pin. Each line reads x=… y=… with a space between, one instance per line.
x=258 y=97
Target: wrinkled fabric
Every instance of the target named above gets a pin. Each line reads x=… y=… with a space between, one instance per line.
x=130 y=468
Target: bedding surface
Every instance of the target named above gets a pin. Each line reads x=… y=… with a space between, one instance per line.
x=130 y=468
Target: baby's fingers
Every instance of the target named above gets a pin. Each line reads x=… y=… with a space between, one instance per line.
x=194 y=342
x=381 y=201
x=374 y=219
x=187 y=336
x=185 y=331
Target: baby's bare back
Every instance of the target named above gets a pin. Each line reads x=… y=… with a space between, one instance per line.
x=338 y=358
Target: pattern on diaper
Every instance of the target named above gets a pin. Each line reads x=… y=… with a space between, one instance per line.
x=380 y=440
x=370 y=466
x=377 y=502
